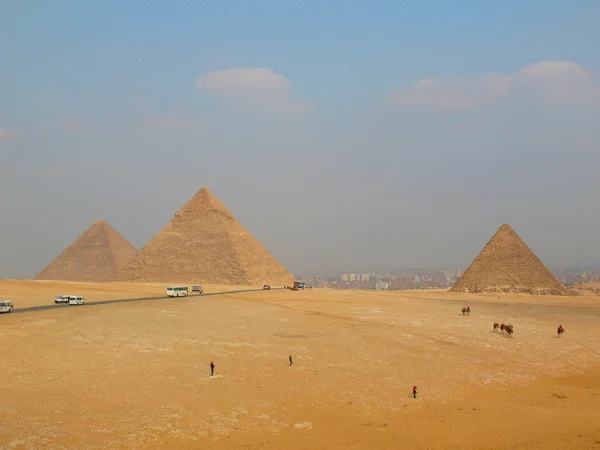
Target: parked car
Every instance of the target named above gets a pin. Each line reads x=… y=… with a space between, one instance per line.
x=266 y=287
x=76 y=300
x=62 y=299
x=6 y=306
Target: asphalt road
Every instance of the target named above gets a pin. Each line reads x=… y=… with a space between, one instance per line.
x=125 y=300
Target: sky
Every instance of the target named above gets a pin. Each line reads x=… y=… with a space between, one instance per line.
x=345 y=136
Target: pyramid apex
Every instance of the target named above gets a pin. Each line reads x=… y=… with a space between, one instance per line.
x=504 y=229
x=100 y=222
x=206 y=192
x=203 y=200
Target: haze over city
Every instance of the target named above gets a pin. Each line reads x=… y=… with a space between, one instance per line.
x=345 y=137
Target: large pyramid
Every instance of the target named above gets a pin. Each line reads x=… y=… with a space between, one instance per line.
x=204 y=243
x=97 y=255
x=506 y=264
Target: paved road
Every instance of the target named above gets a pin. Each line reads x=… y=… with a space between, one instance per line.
x=127 y=300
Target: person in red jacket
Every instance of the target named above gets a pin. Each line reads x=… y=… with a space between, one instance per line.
x=291 y=360
x=414 y=392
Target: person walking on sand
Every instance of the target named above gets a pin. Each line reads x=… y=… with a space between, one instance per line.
x=414 y=392
x=212 y=368
x=291 y=360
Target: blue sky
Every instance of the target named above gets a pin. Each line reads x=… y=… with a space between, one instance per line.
x=344 y=135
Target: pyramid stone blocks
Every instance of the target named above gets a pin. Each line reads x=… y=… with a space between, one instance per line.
x=96 y=255
x=204 y=243
x=506 y=264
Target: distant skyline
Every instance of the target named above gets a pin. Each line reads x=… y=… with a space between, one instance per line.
x=415 y=271
x=343 y=135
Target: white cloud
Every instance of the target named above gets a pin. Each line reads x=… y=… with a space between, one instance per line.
x=556 y=82
x=255 y=86
x=255 y=79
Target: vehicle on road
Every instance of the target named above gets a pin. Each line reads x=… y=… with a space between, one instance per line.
x=299 y=284
x=266 y=287
x=6 y=306
x=177 y=291
x=198 y=289
x=76 y=300
x=62 y=299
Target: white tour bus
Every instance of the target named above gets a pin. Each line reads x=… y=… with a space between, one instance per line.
x=177 y=291
x=76 y=300
x=6 y=306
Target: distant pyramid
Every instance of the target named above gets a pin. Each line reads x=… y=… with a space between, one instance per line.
x=97 y=255
x=204 y=243
x=506 y=264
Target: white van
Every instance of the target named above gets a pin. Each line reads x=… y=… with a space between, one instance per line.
x=6 y=306
x=62 y=299
x=76 y=300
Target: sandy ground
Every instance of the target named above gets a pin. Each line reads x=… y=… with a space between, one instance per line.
x=136 y=375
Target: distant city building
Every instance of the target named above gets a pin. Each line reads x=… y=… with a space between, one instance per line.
x=442 y=279
x=352 y=277
x=380 y=285
x=452 y=275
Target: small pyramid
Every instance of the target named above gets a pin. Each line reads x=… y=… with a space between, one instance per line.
x=96 y=255
x=204 y=243
x=506 y=264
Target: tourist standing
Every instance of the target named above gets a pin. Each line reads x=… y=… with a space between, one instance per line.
x=212 y=368
x=291 y=360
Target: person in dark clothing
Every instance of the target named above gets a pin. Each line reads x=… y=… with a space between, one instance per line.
x=291 y=360
x=212 y=368
x=414 y=392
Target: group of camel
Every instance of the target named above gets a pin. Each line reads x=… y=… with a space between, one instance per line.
x=508 y=329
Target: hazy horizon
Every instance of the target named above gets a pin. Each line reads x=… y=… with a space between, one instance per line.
x=342 y=136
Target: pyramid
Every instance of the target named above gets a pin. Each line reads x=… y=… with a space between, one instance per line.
x=204 y=243
x=506 y=264
x=96 y=255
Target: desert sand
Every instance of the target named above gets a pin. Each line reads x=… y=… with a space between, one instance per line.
x=136 y=375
